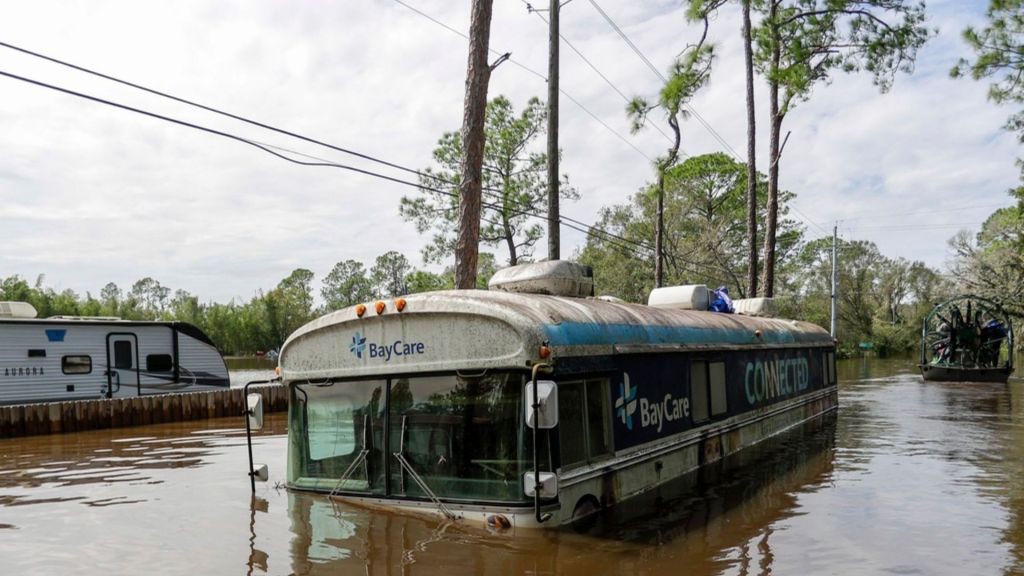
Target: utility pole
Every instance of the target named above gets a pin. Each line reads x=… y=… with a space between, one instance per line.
x=554 y=237
x=835 y=278
x=478 y=74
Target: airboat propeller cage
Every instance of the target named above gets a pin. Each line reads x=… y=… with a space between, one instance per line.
x=967 y=338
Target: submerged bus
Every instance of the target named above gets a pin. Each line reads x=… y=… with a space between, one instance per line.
x=525 y=409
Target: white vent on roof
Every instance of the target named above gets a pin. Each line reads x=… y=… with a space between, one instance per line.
x=690 y=297
x=554 y=277
x=17 y=310
x=755 y=307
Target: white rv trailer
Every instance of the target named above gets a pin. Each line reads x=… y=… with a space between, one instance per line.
x=433 y=402
x=83 y=358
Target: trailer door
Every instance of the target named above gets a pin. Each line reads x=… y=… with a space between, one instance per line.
x=123 y=365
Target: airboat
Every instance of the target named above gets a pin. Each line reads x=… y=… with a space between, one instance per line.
x=967 y=339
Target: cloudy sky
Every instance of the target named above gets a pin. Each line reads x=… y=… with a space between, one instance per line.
x=91 y=194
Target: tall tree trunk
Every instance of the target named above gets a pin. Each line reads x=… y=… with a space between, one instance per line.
x=659 y=234
x=659 y=226
x=751 y=157
x=768 y=280
x=510 y=238
x=478 y=74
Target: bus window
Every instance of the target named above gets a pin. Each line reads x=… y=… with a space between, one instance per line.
x=699 y=390
x=571 y=430
x=462 y=435
x=716 y=372
x=599 y=429
x=583 y=421
x=339 y=421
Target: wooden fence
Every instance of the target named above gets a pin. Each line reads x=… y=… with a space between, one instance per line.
x=80 y=415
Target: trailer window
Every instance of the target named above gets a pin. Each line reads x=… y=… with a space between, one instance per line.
x=37 y=353
x=76 y=364
x=159 y=363
x=123 y=354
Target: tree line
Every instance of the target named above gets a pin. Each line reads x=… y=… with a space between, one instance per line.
x=243 y=328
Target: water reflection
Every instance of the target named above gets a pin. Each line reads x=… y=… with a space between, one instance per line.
x=93 y=502
x=707 y=521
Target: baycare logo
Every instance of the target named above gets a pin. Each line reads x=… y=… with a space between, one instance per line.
x=652 y=412
x=360 y=347
x=625 y=404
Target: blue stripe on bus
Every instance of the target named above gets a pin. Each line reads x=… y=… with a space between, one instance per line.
x=583 y=334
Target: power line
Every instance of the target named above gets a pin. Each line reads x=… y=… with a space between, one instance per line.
x=241 y=118
x=808 y=219
x=607 y=237
x=622 y=34
x=537 y=74
x=205 y=107
x=586 y=60
x=714 y=133
x=421 y=174
x=269 y=148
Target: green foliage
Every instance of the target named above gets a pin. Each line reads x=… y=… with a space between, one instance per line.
x=705 y=231
x=689 y=73
x=800 y=43
x=346 y=285
x=999 y=49
x=991 y=264
x=388 y=275
x=289 y=305
x=514 y=185
x=423 y=281
x=880 y=300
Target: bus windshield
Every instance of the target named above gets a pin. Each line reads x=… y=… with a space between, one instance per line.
x=463 y=436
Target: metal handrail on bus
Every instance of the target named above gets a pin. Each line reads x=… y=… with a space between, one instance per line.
x=536 y=458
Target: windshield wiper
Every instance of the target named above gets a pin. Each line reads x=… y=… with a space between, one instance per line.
x=360 y=458
x=400 y=456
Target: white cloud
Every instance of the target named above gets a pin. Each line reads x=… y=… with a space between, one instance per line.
x=92 y=194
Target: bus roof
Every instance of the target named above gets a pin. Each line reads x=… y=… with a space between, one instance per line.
x=470 y=329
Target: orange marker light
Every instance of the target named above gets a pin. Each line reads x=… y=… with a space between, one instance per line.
x=380 y=306
x=400 y=304
x=360 y=310
x=544 y=352
x=277 y=371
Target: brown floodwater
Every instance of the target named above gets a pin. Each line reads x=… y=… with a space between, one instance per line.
x=909 y=478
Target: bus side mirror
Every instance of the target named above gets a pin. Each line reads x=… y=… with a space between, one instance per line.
x=541 y=412
x=254 y=410
x=261 y=472
x=548 y=484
